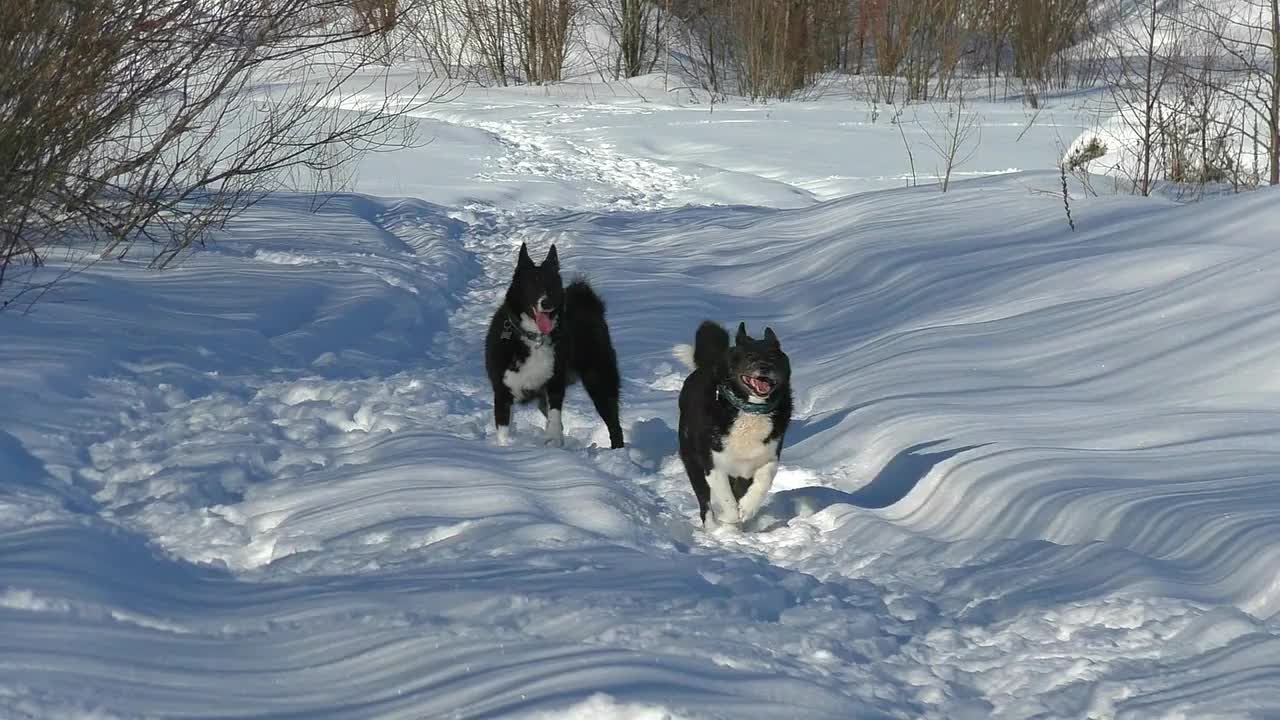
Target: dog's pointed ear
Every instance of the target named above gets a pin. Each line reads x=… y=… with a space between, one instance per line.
x=742 y=334
x=769 y=337
x=553 y=260
x=525 y=260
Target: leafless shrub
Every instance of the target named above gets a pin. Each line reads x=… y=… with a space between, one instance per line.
x=1246 y=36
x=700 y=48
x=1041 y=30
x=911 y=158
x=768 y=38
x=543 y=38
x=517 y=40
x=1078 y=161
x=933 y=44
x=892 y=25
x=491 y=26
x=441 y=35
x=1147 y=60
x=751 y=47
x=154 y=121
x=1066 y=196
x=636 y=31
x=376 y=15
x=991 y=22
x=957 y=141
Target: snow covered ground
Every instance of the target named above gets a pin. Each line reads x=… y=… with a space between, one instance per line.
x=1033 y=471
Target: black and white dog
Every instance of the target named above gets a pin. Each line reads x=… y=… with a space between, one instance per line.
x=545 y=336
x=734 y=410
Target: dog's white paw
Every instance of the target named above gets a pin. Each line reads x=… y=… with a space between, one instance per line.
x=503 y=436
x=711 y=526
x=726 y=514
x=747 y=512
x=555 y=429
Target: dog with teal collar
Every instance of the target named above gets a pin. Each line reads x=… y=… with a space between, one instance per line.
x=735 y=407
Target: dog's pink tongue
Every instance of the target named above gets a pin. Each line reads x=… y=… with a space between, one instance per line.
x=543 y=322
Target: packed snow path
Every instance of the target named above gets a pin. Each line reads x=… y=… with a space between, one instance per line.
x=1033 y=472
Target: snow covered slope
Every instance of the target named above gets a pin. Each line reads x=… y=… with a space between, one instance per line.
x=1033 y=471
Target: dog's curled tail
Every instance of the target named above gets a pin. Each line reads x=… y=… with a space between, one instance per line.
x=709 y=344
x=582 y=298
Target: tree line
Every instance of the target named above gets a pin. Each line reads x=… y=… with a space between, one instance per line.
x=127 y=123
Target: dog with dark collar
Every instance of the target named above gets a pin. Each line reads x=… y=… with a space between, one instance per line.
x=544 y=337
x=734 y=410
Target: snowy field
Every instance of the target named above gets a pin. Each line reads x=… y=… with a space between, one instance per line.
x=1034 y=473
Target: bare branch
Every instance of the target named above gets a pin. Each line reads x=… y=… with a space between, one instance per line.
x=155 y=121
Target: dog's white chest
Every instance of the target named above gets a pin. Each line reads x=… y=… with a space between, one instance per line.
x=745 y=449
x=533 y=373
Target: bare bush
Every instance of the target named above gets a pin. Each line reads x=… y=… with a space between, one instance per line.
x=896 y=120
x=956 y=142
x=892 y=25
x=636 y=30
x=491 y=25
x=757 y=48
x=1246 y=35
x=763 y=41
x=144 y=121
x=376 y=15
x=991 y=23
x=1195 y=124
x=934 y=42
x=543 y=38
x=516 y=40
x=905 y=49
x=700 y=49
x=1041 y=30
x=1066 y=196
x=1147 y=60
x=440 y=34
x=1078 y=161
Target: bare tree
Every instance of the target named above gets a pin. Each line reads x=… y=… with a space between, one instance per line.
x=991 y=23
x=377 y=15
x=761 y=48
x=543 y=40
x=1197 y=121
x=701 y=48
x=442 y=35
x=1247 y=35
x=1041 y=30
x=636 y=29
x=490 y=25
x=958 y=140
x=1146 y=62
x=154 y=121
x=892 y=26
x=896 y=119
x=763 y=42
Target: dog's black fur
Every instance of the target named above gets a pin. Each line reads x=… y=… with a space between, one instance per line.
x=577 y=346
x=722 y=444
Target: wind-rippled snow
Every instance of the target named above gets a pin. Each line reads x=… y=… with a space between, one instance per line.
x=1032 y=471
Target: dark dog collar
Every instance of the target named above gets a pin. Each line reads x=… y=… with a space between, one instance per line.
x=512 y=325
x=764 y=408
